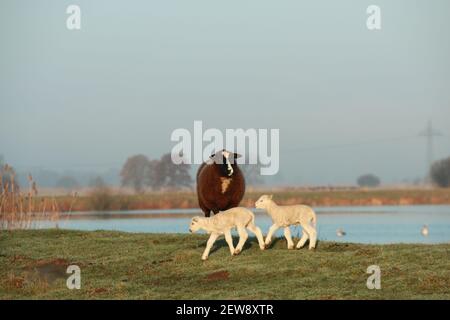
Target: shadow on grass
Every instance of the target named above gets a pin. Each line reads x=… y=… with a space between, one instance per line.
x=251 y=241
x=274 y=242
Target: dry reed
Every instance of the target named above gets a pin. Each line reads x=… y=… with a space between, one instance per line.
x=20 y=210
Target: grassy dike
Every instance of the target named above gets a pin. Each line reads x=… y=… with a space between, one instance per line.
x=116 y=265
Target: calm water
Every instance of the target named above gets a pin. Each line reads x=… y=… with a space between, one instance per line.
x=396 y=224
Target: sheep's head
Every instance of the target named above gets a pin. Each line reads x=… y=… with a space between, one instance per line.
x=226 y=160
x=263 y=201
x=195 y=224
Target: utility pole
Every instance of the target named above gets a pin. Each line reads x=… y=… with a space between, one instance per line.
x=429 y=133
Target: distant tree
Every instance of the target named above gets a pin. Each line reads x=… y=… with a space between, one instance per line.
x=139 y=172
x=440 y=173
x=135 y=172
x=8 y=178
x=179 y=175
x=164 y=173
x=156 y=175
x=368 y=180
x=67 y=182
x=97 y=183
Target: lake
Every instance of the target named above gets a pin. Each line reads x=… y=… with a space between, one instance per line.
x=377 y=224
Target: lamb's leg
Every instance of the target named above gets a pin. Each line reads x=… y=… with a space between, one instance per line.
x=257 y=231
x=229 y=240
x=312 y=235
x=212 y=238
x=303 y=239
x=272 y=229
x=243 y=236
x=287 y=235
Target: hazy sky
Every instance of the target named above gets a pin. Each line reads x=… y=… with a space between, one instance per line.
x=137 y=70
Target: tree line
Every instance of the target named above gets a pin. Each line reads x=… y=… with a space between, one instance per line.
x=140 y=172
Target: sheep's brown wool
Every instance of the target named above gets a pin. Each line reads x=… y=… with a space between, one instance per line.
x=220 y=188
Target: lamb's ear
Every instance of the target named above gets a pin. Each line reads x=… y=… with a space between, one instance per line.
x=237 y=155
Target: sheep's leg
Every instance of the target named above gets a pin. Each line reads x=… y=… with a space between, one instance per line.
x=257 y=231
x=312 y=235
x=287 y=235
x=243 y=236
x=205 y=209
x=303 y=239
x=212 y=238
x=229 y=240
x=272 y=229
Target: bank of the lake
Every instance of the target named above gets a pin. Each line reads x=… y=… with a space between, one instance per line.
x=92 y=201
x=116 y=265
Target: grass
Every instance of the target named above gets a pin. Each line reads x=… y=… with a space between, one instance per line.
x=117 y=265
x=186 y=199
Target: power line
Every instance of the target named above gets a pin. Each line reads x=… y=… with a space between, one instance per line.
x=429 y=133
x=355 y=144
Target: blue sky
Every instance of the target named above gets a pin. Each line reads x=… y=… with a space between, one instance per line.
x=88 y=99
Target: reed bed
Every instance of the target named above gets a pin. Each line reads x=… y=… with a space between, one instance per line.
x=23 y=210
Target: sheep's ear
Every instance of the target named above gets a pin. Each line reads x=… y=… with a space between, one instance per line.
x=237 y=155
x=271 y=196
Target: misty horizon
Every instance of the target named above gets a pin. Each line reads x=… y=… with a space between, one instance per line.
x=347 y=101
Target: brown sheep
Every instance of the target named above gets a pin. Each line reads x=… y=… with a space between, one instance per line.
x=220 y=183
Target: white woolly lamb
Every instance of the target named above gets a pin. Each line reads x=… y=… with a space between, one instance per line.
x=239 y=218
x=285 y=216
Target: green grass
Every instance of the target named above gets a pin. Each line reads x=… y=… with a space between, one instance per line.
x=117 y=265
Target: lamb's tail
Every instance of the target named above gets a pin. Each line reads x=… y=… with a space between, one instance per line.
x=313 y=218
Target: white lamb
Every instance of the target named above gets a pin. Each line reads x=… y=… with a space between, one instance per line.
x=222 y=223
x=285 y=216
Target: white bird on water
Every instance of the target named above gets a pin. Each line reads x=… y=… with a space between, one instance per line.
x=340 y=232
x=425 y=230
